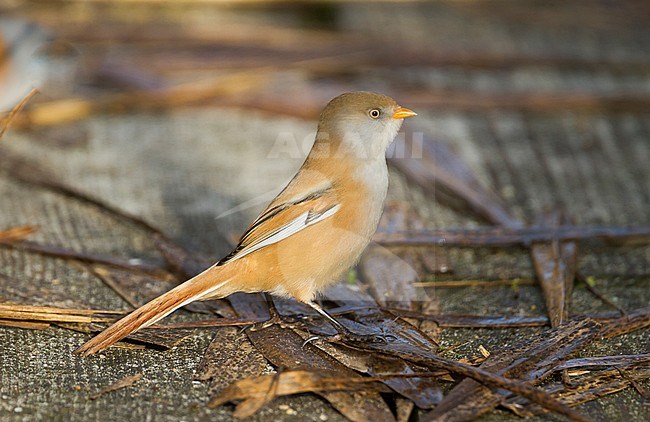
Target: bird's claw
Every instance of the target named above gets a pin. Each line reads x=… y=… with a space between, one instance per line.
x=282 y=321
x=311 y=340
x=367 y=338
x=353 y=338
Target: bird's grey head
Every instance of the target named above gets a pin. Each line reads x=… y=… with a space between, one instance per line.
x=364 y=123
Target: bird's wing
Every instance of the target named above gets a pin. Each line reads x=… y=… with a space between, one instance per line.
x=285 y=217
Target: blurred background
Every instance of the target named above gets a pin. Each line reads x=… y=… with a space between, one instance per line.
x=499 y=81
x=439 y=55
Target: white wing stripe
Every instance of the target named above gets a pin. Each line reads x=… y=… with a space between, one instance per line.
x=301 y=222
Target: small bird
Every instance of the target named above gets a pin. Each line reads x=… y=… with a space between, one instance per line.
x=312 y=232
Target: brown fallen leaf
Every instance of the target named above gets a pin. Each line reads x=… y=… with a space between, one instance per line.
x=425 y=393
x=286 y=349
x=266 y=387
x=390 y=278
x=555 y=265
x=118 y=385
x=408 y=343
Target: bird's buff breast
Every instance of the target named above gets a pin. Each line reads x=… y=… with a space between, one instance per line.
x=306 y=263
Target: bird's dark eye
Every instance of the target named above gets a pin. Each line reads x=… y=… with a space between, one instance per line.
x=374 y=113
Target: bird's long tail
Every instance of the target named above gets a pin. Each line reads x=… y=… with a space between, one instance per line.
x=207 y=284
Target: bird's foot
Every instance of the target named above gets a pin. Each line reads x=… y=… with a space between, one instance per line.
x=280 y=320
x=364 y=338
x=350 y=337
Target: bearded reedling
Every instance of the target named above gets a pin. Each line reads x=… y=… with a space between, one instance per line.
x=312 y=232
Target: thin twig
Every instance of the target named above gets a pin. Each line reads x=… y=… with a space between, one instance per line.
x=118 y=385
x=14 y=111
x=490 y=236
x=64 y=253
x=475 y=283
x=108 y=281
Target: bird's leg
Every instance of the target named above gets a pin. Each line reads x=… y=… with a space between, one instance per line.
x=273 y=311
x=340 y=328
x=344 y=333
x=274 y=315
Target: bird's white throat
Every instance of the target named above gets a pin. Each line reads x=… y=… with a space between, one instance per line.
x=368 y=140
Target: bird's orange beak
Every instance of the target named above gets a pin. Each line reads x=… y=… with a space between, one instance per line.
x=403 y=113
